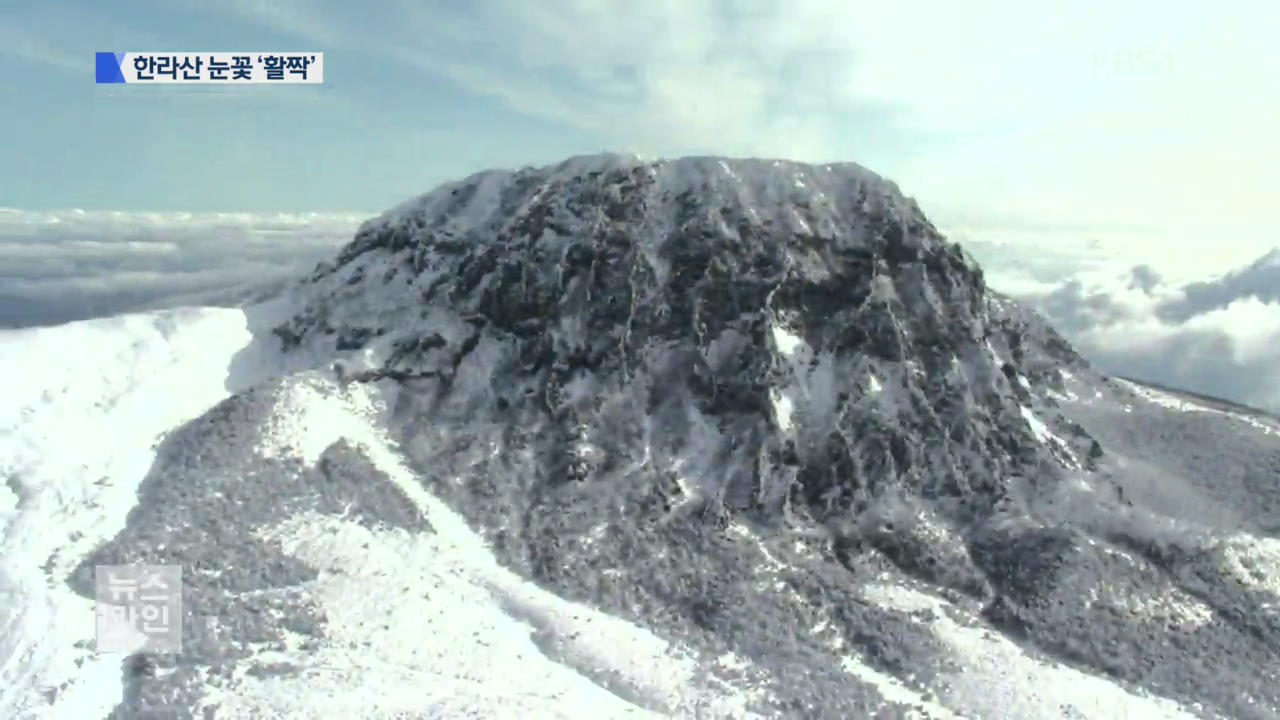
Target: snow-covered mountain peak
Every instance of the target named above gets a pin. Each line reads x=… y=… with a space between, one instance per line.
x=621 y=438
x=606 y=288
x=704 y=393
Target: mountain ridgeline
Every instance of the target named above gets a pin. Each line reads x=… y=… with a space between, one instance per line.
x=720 y=396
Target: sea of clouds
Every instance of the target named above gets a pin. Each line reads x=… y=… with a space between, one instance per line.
x=1128 y=307
x=71 y=265
x=1170 y=315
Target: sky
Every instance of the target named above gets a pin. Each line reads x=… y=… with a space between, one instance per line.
x=1096 y=157
x=1099 y=116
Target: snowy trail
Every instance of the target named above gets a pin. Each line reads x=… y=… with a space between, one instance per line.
x=85 y=405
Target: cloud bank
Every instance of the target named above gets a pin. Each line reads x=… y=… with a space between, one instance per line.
x=1218 y=335
x=73 y=265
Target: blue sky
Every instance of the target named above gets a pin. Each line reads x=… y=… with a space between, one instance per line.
x=1063 y=144
x=377 y=131
x=1097 y=117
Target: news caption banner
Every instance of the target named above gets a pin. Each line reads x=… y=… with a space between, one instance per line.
x=138 y=608
x=218 y=68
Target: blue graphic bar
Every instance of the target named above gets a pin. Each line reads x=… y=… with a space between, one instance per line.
x=108 y=68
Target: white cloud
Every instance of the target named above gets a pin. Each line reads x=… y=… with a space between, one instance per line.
x=1141 y=113
x=16 y=42
x=658 y=78
x=72 y=265
x=1252 y=326
x=1219 y=335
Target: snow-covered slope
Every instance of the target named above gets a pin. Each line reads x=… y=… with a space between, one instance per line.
x=344 y=591
x=84 y=406
x=693 y=438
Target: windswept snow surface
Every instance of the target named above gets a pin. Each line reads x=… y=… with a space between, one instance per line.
x=418 y=623
x=427 y=623
x=84 y=405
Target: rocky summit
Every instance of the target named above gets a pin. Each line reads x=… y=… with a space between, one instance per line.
x=617 y=349
x=745 y=339
x=723 y=397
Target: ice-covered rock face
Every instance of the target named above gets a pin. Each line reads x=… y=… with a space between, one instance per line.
x=661 y=386
x=770 y=336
